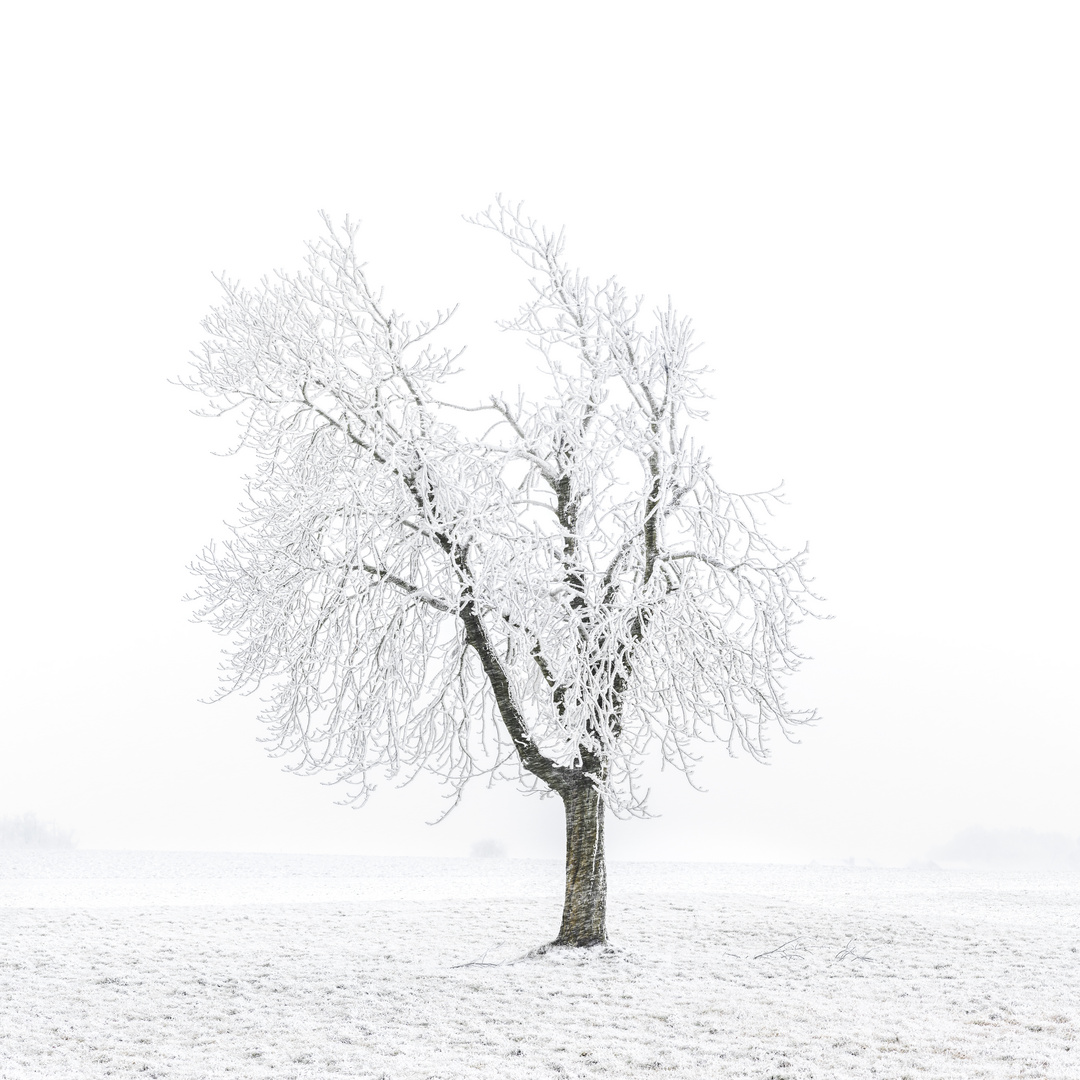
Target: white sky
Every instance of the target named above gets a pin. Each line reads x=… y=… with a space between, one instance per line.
x=871 y=213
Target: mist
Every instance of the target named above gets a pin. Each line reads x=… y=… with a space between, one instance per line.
x=869 y=214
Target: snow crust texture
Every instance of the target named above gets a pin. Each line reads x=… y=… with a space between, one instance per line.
x=190 y=967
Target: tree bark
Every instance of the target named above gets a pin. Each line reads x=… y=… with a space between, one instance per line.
x=584 y=920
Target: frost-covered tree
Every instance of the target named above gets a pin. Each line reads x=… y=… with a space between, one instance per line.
x=563 y=594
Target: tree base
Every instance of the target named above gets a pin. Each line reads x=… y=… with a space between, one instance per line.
x=577 y=943
x=601 y=948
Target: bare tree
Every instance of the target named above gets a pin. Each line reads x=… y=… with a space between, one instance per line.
x=563 y=598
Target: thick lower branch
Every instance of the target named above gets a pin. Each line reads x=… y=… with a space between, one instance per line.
x=555 y=776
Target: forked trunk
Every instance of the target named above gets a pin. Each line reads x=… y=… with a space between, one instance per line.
x=584 y=920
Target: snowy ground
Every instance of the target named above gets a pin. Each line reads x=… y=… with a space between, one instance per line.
x=205 y=966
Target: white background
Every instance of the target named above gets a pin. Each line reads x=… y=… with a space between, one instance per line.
x=870 y=211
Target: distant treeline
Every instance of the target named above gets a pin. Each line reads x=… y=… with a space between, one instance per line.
x=26 y=830
x=1019 y=849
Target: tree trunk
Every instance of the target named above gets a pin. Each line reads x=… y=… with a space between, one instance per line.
x=584 y=920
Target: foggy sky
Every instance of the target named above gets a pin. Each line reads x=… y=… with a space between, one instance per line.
x=870 y=213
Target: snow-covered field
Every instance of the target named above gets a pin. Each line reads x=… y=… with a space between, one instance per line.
x=204 y=966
